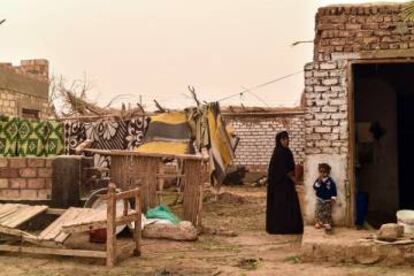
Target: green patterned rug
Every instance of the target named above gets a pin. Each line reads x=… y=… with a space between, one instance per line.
x=32 y=138
x=9 y=128
x=54 y=142
x=21 y=137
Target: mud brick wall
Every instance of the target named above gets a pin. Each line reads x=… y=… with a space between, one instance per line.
x=356 y=31
x=25 y=178
x=257 y=137
x=24 y=86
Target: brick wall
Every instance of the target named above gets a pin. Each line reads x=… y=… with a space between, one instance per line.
x=25 y=178
x=257 y=137
x=24 y=86
x=358 y=31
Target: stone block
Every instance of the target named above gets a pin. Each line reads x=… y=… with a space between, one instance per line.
x=11 y=194
x=4 y=183
x=48 y=162
x=28 y=194
x=35 y=162
x=390 y=232
x=318 y=88
x=36 y=183
x=43 y=194
x=322 y=129
x=9 y=172
x=44 y=172
x=353 y=26
x=3 y=162
x=18 y=183
x=328 y=65
x=28 y=172
x=330 y=82
x=17 y=162
x=321 y=74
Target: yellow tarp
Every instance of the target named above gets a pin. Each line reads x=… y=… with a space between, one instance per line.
x=219 y=139
x=173 y=118
x=164 y=147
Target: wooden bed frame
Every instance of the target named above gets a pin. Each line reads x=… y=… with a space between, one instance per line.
x=88 y=219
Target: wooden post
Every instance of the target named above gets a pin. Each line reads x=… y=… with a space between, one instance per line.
x=110 y=228
x=192 y=188
x=161 y=182
x=126 y=205
x=137 y=229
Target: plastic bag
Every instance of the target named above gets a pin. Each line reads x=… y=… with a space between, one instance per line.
x=162 y=212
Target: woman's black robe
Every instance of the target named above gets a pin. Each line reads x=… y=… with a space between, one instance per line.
x=283 y=214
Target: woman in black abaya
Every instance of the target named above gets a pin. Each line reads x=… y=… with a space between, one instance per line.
x=283 y=214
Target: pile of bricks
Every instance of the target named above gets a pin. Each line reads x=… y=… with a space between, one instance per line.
x=257 y=138
x=25 y=178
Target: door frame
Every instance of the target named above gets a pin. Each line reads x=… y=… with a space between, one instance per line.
x=350 y=187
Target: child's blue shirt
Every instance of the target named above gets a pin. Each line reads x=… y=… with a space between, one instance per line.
x=325 y=189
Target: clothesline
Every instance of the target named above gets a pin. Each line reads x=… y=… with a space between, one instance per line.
x=247 y=90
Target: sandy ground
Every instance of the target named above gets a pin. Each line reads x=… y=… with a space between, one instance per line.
x=252 y=252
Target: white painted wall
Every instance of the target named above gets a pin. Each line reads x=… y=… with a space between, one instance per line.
x=338 y=162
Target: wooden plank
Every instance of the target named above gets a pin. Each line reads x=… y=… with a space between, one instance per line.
x=16 y=232
x=27 y=213
x=127 y=153
x=137 y=229
x=170 y=175
x=5 y=208
x=192 y=187
x=82 y=214
x=111 y=228
x=20 y=211
x=54 y=228
x=123 y=195
x=55 y=211
x=94 y=225
x=53 y=251
x=8 y=211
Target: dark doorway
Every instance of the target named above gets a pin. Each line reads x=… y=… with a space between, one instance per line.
x=384 y=142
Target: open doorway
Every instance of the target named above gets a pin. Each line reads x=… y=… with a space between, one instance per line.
x=384 y=142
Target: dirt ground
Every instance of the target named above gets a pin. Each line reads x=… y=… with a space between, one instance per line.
x=251 y=252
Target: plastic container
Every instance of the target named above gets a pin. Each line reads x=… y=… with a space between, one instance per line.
x=406 y=219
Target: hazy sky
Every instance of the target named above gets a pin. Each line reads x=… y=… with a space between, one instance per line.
x=157 y=47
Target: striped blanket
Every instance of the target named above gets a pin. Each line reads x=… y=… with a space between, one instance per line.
x=168 y=133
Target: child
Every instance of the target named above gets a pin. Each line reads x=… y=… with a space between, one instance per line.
x=325 y=189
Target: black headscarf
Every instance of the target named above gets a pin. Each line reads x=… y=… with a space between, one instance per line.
x=282 y=161
x=280 y=136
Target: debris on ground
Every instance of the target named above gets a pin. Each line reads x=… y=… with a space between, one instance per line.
x=390 y=232
x=235 y=175
x=248 y=263
x=225 y=197
x=221 y=231
x=184 y=231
